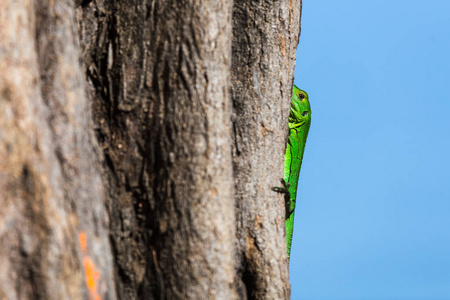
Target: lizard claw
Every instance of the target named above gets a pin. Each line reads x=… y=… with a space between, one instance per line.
x=283 y=189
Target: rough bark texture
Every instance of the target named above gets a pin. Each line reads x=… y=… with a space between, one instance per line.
x=265 y=38
x=160 y=70
x=52 y=218
x=172 y=120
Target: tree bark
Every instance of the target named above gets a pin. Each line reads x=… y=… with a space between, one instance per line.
x=160 y=70
x=138 y=150
x=265 y=38
x=53 y=223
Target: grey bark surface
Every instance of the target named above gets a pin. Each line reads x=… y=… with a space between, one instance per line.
x=139 y=141
x=51 y=191
x=265 y=38
x=160 y=75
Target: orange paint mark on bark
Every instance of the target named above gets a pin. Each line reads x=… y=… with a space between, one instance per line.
x=83 y=242
x=91 y=274
x=92 y=277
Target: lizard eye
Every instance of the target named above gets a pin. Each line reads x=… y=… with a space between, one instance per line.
x=301 y=96
x=304 y=113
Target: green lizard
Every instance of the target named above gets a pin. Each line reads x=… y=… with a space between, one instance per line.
x=299 y=122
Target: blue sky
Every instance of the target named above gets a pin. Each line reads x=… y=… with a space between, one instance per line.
x=373 y=215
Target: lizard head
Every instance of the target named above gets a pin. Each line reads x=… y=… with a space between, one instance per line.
x=300 y=113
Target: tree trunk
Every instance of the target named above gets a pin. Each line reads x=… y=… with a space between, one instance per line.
x=144 y=169
x=265 y=38
x=53 y=223
x=161 y=102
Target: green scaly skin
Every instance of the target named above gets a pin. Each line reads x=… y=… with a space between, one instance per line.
x=299 y=122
